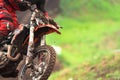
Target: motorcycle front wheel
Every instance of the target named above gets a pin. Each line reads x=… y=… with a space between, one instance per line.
x=42 y=64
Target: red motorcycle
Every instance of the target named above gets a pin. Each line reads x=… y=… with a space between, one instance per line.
x=26 y=53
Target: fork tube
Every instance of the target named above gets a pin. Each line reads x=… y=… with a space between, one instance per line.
x=30 y=44
x=43 y=40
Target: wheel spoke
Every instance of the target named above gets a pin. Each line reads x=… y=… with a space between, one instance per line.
x=42 y=64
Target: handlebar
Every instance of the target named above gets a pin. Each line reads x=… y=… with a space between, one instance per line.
x=38 y=16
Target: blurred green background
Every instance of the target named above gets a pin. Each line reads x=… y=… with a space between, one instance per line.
x=89 y=45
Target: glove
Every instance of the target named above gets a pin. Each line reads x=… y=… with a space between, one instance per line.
x=24 y=5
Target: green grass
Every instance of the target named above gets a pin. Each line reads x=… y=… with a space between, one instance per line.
x=90 y=33
x=86 y=10
x=79 y=39
x=84 y=42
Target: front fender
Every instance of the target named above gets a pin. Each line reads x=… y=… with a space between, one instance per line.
x=46 y=29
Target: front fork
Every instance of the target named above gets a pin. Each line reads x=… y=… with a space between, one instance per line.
x=31 y=45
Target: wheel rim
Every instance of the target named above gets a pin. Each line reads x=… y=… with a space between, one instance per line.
x=40 y=67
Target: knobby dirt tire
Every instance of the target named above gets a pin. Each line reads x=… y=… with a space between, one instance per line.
x=51 y=62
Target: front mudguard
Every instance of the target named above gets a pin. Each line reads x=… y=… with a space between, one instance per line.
x=46 y=29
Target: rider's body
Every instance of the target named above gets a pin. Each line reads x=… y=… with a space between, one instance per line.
x=8 y=8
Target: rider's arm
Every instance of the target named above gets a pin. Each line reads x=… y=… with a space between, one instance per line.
x=39 y=3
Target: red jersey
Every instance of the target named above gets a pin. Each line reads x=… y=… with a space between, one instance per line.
x=8 y=13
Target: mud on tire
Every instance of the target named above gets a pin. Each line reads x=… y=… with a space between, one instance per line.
x=50 y=64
